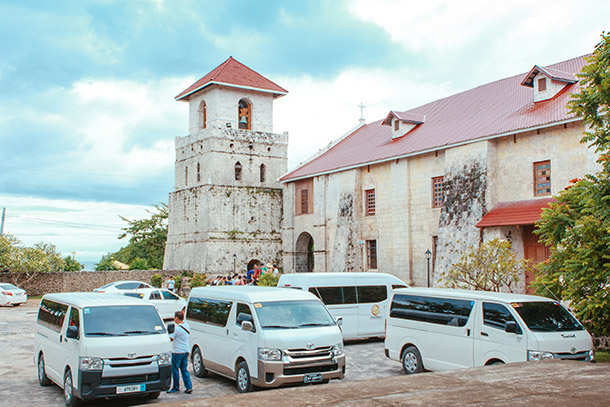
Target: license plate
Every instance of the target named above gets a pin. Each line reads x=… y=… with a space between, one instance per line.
x=312 y=378
x=130 y=389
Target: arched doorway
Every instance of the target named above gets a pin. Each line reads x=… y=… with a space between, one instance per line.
x=304 y=261
x=251 y=264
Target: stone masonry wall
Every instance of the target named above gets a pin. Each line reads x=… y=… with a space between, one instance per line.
x=77 y=281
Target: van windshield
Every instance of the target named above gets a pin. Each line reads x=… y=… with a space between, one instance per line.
x=292 y=314
x=546 y=316
x=122 y=320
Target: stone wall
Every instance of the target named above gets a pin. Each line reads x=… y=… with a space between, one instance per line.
x=75 y=281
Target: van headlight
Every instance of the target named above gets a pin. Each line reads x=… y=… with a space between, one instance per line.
x=269 y=354
x=539 y=355
x=337 y=349
x=164 y=359
x=88 y=364
x=591 y=355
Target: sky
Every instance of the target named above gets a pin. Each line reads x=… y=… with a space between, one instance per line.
x=87 y=111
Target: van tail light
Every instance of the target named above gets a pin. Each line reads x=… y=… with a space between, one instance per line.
x=7 y=293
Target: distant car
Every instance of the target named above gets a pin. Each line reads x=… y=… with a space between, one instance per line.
x=10 y=294
x=166 y=302
x=119 y=286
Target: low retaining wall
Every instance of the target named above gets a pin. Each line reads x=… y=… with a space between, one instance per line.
x=73 y=281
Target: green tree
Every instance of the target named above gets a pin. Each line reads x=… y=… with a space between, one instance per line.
x=25 y=262
x=139 y=264
x=106 y=263
x=577 y=226
x=269 y=280
x=490 y=266
x=72 y=265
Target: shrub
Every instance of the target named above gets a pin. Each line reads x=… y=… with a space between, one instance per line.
x=199 y=280
x=156 y=280
x=139 y=264
x=178 y=282
x=268 y=280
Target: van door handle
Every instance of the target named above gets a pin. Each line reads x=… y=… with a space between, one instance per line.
x=467 y=332
x=484 y=334
x=61 y=338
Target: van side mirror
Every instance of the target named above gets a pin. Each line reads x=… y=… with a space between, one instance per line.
x=171 y=328
x=72 y=332
x=511 y=327
x=339 y=321
x=247 y=326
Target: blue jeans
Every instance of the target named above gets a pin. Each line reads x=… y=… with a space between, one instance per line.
x=179 y=363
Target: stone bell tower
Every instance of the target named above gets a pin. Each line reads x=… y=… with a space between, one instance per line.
x=226 y=207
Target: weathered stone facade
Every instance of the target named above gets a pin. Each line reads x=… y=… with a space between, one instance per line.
x=226 y=207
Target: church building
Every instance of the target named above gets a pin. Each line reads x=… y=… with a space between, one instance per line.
x=225 y=211
x=408 y=193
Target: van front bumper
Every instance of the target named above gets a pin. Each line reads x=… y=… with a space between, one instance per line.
x=276 y=374
x=92 y=385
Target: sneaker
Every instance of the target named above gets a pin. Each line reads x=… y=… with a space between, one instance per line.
x=188 y=391
x=173 y=391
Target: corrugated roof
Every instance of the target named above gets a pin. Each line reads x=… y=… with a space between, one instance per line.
x=233 y=73
x=515 y=213
x=497 y=108
x=407 y=117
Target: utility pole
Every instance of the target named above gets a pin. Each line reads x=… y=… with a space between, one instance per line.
x=2 y=222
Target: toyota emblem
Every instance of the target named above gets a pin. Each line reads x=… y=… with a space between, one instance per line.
x=131 y=355
x=573 y=350
x=309 y=346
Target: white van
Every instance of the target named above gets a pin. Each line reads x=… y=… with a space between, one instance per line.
x=262 y=336
x=101 y=346
x=444 y=329
x=360 y=299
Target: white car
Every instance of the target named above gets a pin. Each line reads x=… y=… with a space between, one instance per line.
x=120 y=286
x=10 y=294
x=166 y=302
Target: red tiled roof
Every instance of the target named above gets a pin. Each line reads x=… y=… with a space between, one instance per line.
x=515 y=213
x=496 y=108
x=233 y=73
x=551 y=73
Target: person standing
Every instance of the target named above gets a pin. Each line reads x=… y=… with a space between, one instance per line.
x=171 y=284
x=180 y=354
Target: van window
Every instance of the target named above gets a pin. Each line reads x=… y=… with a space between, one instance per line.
x=546 y=316
x=213 y=312
x=372 y=293
x=74 y=318
x=154 y=296
x=169 y=296
x=497 y=315
x=51 y=314
x=396 y=286
x=122 y=320
x=335 y=295
x=442 y=311
x=292 y=314
x=243 y=314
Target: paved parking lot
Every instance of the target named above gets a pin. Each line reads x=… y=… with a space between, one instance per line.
x=365 y=360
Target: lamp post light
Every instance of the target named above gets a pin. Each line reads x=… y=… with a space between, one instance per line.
x=234 y=260
x=428 y=257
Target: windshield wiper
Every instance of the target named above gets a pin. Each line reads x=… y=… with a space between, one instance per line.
x=279 y=326
x=103 y=334
x=314 y=324
x=141 y=332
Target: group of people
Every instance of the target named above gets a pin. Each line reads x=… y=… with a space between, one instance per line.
x=250 y=278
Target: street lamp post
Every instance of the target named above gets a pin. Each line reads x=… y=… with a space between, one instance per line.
x=234 y=260
x=428 y=257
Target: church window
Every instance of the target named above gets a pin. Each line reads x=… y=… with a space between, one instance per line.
x=541 y=84
x=203 y=112
x=244 y=114
x=262 y=174
x=542 y=178
x=238 y=171
x=303 y=196
x=370 y=202
x=371 y=254
x=198 y=172
x=438 y=191
x=396 y=125
x=186 y=176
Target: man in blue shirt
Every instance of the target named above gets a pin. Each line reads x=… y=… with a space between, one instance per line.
x=180 y=354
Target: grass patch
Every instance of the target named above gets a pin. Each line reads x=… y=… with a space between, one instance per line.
x=602 y=357
x=34 y=297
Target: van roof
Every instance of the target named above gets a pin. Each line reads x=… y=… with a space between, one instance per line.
x=302 y=277
x=92 y=299
x=252 y=293
x=471 y=294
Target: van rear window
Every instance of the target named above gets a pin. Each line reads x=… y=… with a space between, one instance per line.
x=335 y=295
x=209 y=311
x=442 y=311
x=372 y=293
x=51 y=314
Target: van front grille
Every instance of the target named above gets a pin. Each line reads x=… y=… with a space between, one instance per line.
x=573 y=356
x=112 y=381
x=310 y=369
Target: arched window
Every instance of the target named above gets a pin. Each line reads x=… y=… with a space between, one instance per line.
x=237 y=171
x=198 y=172
x=244 y=114
x=263 y=169
x=203 y=114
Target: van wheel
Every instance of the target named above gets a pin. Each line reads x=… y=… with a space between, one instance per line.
x=497 y=362
x=42 y=376
x=411 y=360
x=69 y=398
x=244 y=384
x=198 y=368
